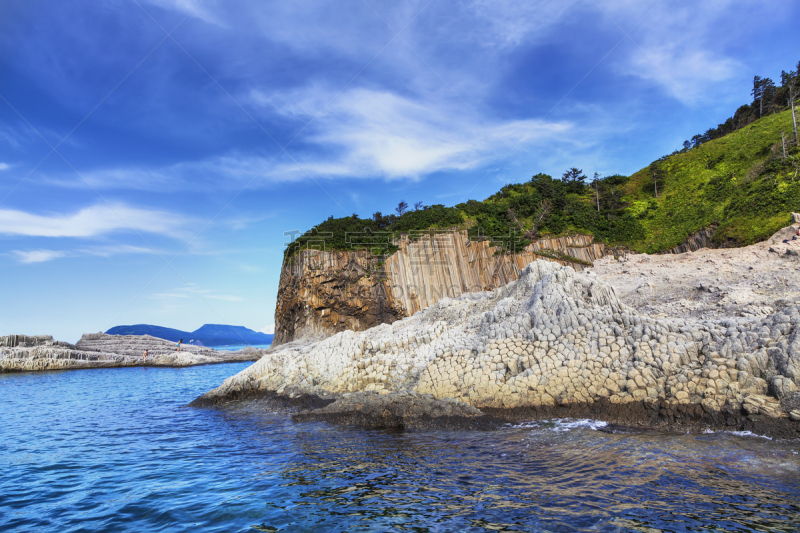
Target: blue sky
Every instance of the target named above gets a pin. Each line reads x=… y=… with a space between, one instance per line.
x=154 y=152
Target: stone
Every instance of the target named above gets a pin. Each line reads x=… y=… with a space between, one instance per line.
x=780 y=386
x=542 y=310
x=19 y=353
x=322 y=292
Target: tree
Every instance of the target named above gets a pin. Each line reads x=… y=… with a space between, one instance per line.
x=767 y=94
x=758 y=91
x=596 y=183
x=686 y=146
x=541 y=214
x=401 y=208
x=762 y=87
x=783 y=143
x=417 y=206
x=791 y=80
x=657 y=174
x=573 y=179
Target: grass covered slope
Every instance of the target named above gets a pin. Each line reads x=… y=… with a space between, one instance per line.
x=741 y=182
x=746 y=183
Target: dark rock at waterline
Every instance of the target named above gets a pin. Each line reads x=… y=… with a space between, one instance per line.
x=409 y=410
x=659 y=415
x=791 y=402
x=399 y=410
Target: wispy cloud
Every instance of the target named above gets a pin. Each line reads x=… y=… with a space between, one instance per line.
x=202 y=12
x=37 y=256
x=684 y=74
x=269 y=330
x=4 y=166
x=92 y=221
x=681 y=48
x=511 y=23
x=40 y=256
x=364 y=134
x=369 y=133
x=193 y=291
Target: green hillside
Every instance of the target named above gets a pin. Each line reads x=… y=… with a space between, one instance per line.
x=746 y=182
x=741 y=181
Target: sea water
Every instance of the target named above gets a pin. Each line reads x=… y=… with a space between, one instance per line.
x=235 y=347
x=117 y=450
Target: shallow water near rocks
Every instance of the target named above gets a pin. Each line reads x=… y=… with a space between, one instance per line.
x=115 y=450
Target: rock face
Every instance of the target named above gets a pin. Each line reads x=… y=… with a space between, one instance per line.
x=398 y=409
x=322 y=293
x=20 y=353
x=135 y=345
x=553 y=339
x=694 y=242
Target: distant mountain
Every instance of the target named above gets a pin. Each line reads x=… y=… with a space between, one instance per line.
x=207 y=335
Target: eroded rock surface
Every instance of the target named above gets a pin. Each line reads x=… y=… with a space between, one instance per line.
x=20 y=353
x=554 y=339
x=401 y=409
x=754 y=281
x=324 y=292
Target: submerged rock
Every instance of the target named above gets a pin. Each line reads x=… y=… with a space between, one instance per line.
x=552 y=339
x=397 y=410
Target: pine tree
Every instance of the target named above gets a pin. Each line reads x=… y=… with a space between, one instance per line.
x=792 y=82
x=573 y=179
x=757 y=91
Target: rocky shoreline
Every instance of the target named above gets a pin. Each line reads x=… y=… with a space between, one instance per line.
x=554 y=343
x=21 y=353
x=408 y=410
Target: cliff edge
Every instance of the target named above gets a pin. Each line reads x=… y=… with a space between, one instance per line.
x=325 y=292
x=553 y=342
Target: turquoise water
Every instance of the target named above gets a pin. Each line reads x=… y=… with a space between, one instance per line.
x=234 y=347
x=116 y=450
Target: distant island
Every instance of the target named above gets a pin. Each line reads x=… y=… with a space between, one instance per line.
x=207 y=335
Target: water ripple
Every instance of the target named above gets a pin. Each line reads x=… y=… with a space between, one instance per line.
x=116 y=450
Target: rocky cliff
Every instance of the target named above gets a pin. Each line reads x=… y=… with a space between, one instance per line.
x=555 y=341
x=325 y=292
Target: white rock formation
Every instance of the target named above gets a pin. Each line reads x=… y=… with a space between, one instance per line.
x=553 y=337
x=20 y=353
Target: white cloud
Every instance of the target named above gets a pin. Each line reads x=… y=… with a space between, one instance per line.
x=685 y=74
x=108 y=251
x=363 y=134
x=511 y=23
x=38 y=256
x=269 y=330
x=230 y=171
x=370 y=133
x=4 y=166
x=91 y=222
x=678 y=47
x=682 y=48
x=194 y=8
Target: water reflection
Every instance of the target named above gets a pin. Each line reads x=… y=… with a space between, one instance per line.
x=540 y=479
x=115 y=450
